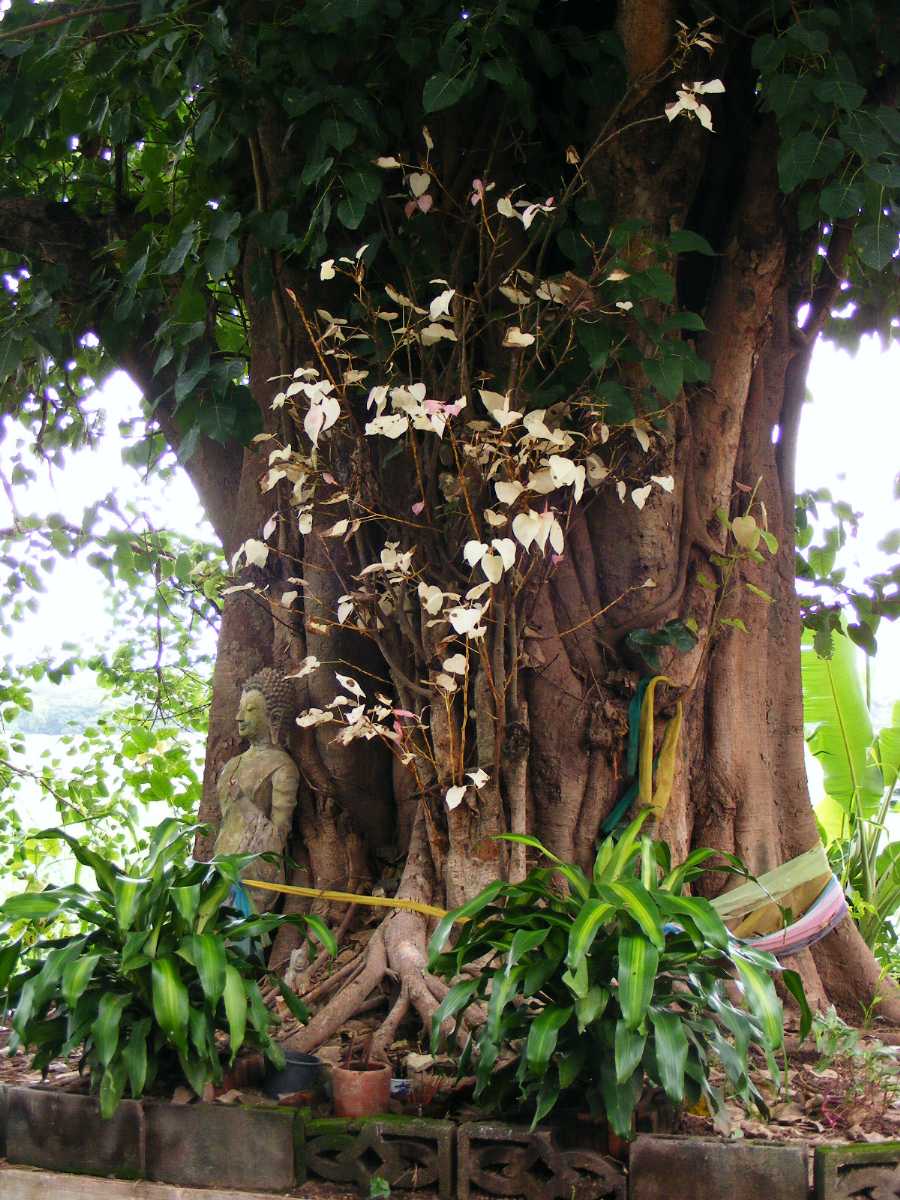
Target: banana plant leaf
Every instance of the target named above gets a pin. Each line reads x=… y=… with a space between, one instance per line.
x=839 y=730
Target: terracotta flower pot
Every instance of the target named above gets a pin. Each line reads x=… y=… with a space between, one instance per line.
x=361 y=1090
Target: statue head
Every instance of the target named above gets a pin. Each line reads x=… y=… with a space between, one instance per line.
x=266 y=700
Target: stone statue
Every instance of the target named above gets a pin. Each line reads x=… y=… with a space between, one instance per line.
x=257 y=790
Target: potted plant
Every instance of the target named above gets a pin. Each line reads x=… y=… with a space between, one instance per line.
x=360 y=1085
x=596 y=989
x=144 y=971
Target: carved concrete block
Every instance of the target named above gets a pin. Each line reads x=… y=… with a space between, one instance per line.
x=409 y=1153
x=867 y=1172
x=508 y=1160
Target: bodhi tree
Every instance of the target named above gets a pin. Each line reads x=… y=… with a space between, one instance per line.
x=482 y=334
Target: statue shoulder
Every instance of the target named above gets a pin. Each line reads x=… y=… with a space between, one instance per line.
x=287 y=768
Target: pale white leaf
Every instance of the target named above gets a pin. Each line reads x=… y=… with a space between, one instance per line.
x=515 y=339
x=454 y=796
x=506 y=548
x=476 y=592
x=492 y=565
x=326 y=270
x=270 y=526
x=288 y=598
x=387 y=162
x=392 y=425
x=473 y=552
x=494 y=518
x=456 y=664
x=349 y=684
x=256 y=552
x=337 y=529
x=447 y=682
x=431 y=598
x=479 y=777
x=238 y=587
x=419 y=183
x=309 y=664
x=440 y=305
x=666 y=482
x=505 y=208
x=435 y=332
x=314 y=716
x=508 y=491
x=557 y=539
x=526 y=526
x=640 y=433
x=639 y=495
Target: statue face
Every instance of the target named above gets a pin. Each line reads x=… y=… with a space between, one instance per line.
x=252 y=718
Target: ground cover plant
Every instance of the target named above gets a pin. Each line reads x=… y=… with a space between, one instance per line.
x=144 y=973
x=593 y=993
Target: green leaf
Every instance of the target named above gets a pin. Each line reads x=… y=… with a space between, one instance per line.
x=794 y=985
x=523 y=941
x=590 y=1008
x=638 y=960
x=112 y=1085
x=127 y=893
x=634 y=898
x=807 y=156
x=542 y=1037
x=443 y=91
x=171 y=1005
x=174 y=260
x=623 y=854
x=221 y=256
x=839 y=729
x=76 y=976
x=187 y=901
x=295 y=1005
x=875 y=243
x=235 y=1009
x=547 y=1096
x=759 y=992
x=134 y=1056
x=105 y=1030
x=698 y=910
x=684 y=241
x=208 y=953
x=584 y=929
x=337 y=133
x=458 y=998
x=31 y=906
x=104 y=872
x=597 y=342
x=320 y=931
x=671 y=1046
x=9 y=957
x=351 y=211
x=470 y=909
x=886 y=753
x=843 y=93
x=629 y=1050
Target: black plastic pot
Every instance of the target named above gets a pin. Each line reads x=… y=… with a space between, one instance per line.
x=300 y=1073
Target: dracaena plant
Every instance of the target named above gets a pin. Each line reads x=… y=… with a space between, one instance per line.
x=147 y=973
x=594 y=990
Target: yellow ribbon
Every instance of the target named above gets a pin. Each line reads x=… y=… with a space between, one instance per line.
x=657 y=798
x=427 y=910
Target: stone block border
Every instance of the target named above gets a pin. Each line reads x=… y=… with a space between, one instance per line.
x=48 y=1135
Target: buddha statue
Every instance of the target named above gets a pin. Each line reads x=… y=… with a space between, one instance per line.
x=257 y=790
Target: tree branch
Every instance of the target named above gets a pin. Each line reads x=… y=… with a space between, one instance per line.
x=100 y=11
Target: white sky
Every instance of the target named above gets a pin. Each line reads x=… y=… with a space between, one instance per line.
x=849 y=442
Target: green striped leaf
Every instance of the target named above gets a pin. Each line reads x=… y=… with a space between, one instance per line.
x=637 y=902
x=134 y=1056
x=671 y=1045
x=625 y=851
x=584 y=929
x=127 y=894
x=759 y=992
x=629 y=1050
x=235 y=1009
x=474 y=906
x=542 y=1036
x=523 y=941
x=104 y=872
x=31 y=906
x=186 y=901
x=295 y=1005
x=171 y=1005
x=214 y=896
x=9 y=957
x=547 y=1096
x=260 y=1017
x=112 y=1085
x=638 y=960
x=794 y=985
x=105 y=1030
x=76 y=976
x=320 y=931
x=707 y=921
x=590 y=1008
x=207 y=951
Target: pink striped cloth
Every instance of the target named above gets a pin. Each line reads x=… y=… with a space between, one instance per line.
x=825 y=914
